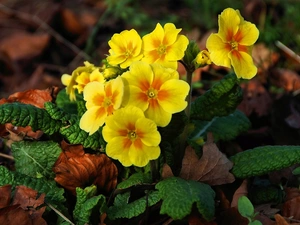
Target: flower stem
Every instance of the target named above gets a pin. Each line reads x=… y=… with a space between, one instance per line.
x=189 y=97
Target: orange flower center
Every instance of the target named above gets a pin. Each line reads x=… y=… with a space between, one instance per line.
x=161 y=50
x=127 y=53
x=107 y=102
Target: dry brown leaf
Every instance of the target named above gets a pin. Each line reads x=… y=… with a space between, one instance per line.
x=241 y=191
x=291 y=208
x=285 y=78
x=267 y=210
x=212 y=168
x=166 y=171
x=23 y=45
x=13 y=215
x=291 y=192
x=282 y=221
x=254 y=93
x=74 y=168
x=5 y=192
x=71 y=22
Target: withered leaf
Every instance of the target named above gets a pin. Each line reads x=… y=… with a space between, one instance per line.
x=27 y=198
x=291 y=208
x=5 y=192
x=241 y=191
x=212 y=168
x=75 y=168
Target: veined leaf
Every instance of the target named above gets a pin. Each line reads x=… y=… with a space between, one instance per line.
x=86 y=203
x=179 y=196
x=75 y=135
x=123 y=209
x=63 y=101
x=54 y=194
x=23 y=115
x=135 y=179
x=221 y=100
x=35 y=158
x=57 y=113
x=223 y=128
x=265 y=159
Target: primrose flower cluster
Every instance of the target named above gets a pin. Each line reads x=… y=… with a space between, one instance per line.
x=138 y=87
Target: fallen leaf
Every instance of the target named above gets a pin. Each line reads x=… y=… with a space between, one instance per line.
x=241 y=191
x=281 y=221
x=5 y=192
x=254 y=93
x=291 y=192
x=71 y=22
x=13 y=215
x=74 y=168
x=233 y=217
x=27 y=198
x=287 y=79
x=266 y=210
x=291 y=208
x=212 y=168
x=23 y=45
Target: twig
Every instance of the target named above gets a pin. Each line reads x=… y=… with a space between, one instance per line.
x=7 y=156
x=42 y=24
x=288 y=51
x=60 y=214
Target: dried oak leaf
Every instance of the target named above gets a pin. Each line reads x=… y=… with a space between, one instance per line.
x=212 y=168
x=75 y=168
x=285 y=78
x=291 y=208
x=5 y=192
x=32 y=97
x=282 y=221
x=25 y=209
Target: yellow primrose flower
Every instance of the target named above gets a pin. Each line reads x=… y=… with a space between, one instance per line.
x=155 y=89
x=202 y=59
x=80 y=77
x=101 y=100
x=131 y=138
x=164 y=45
x=232 y=45
x=125 y=47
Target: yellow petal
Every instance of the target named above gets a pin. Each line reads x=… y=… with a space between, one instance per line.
x=247 y=34
x=115 y=89
x=170 y=34
x=229 y=22
x=136 y=97
x=96 y=75
x=171 y=97
x=154 y=39
x=66 y=79
x=115 y=149
x=94 y=94
x=93 y=119
x=146 y=130
x=156 y=113
x=176 y=51
x=218 y=50
x=243 y=65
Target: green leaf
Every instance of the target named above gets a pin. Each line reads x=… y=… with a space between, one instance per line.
x=35 y=158
x=245 y=207
x=57 y=113
x=23 y=115
x=86 y=203
x=179 y=195
x=265 y=159
x=221 y=100
x=54 y=194
x=123 y=209
x=75 y=135
x=135 y=179
x=223 y=128
x=63 y=102
x=296 y=171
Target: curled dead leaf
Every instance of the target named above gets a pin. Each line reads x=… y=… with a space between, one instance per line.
x=75 y=168
x=5 y=192
x=291 y=208
x=241 y=191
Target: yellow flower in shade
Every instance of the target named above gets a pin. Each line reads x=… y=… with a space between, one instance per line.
x=80 y=77
x=232 y=45
x=131 y=138
x=164 y=45
x=101 y=101
x=202 y=59
x=126 y=48
x=156 y=90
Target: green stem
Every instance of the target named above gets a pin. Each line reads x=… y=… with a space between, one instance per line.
x=189 y=97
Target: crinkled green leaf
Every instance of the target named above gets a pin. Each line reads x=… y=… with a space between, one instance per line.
x=86 y=202
x=23 y=115
x=35 y=158
x=179 y=196
x=123 y=209
x=57 y=113
x=135 y=179
x=265 y=159
x=54 y=194
x=75 y=135
x=63 y=102
x=221 y=100
x=223 y=128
